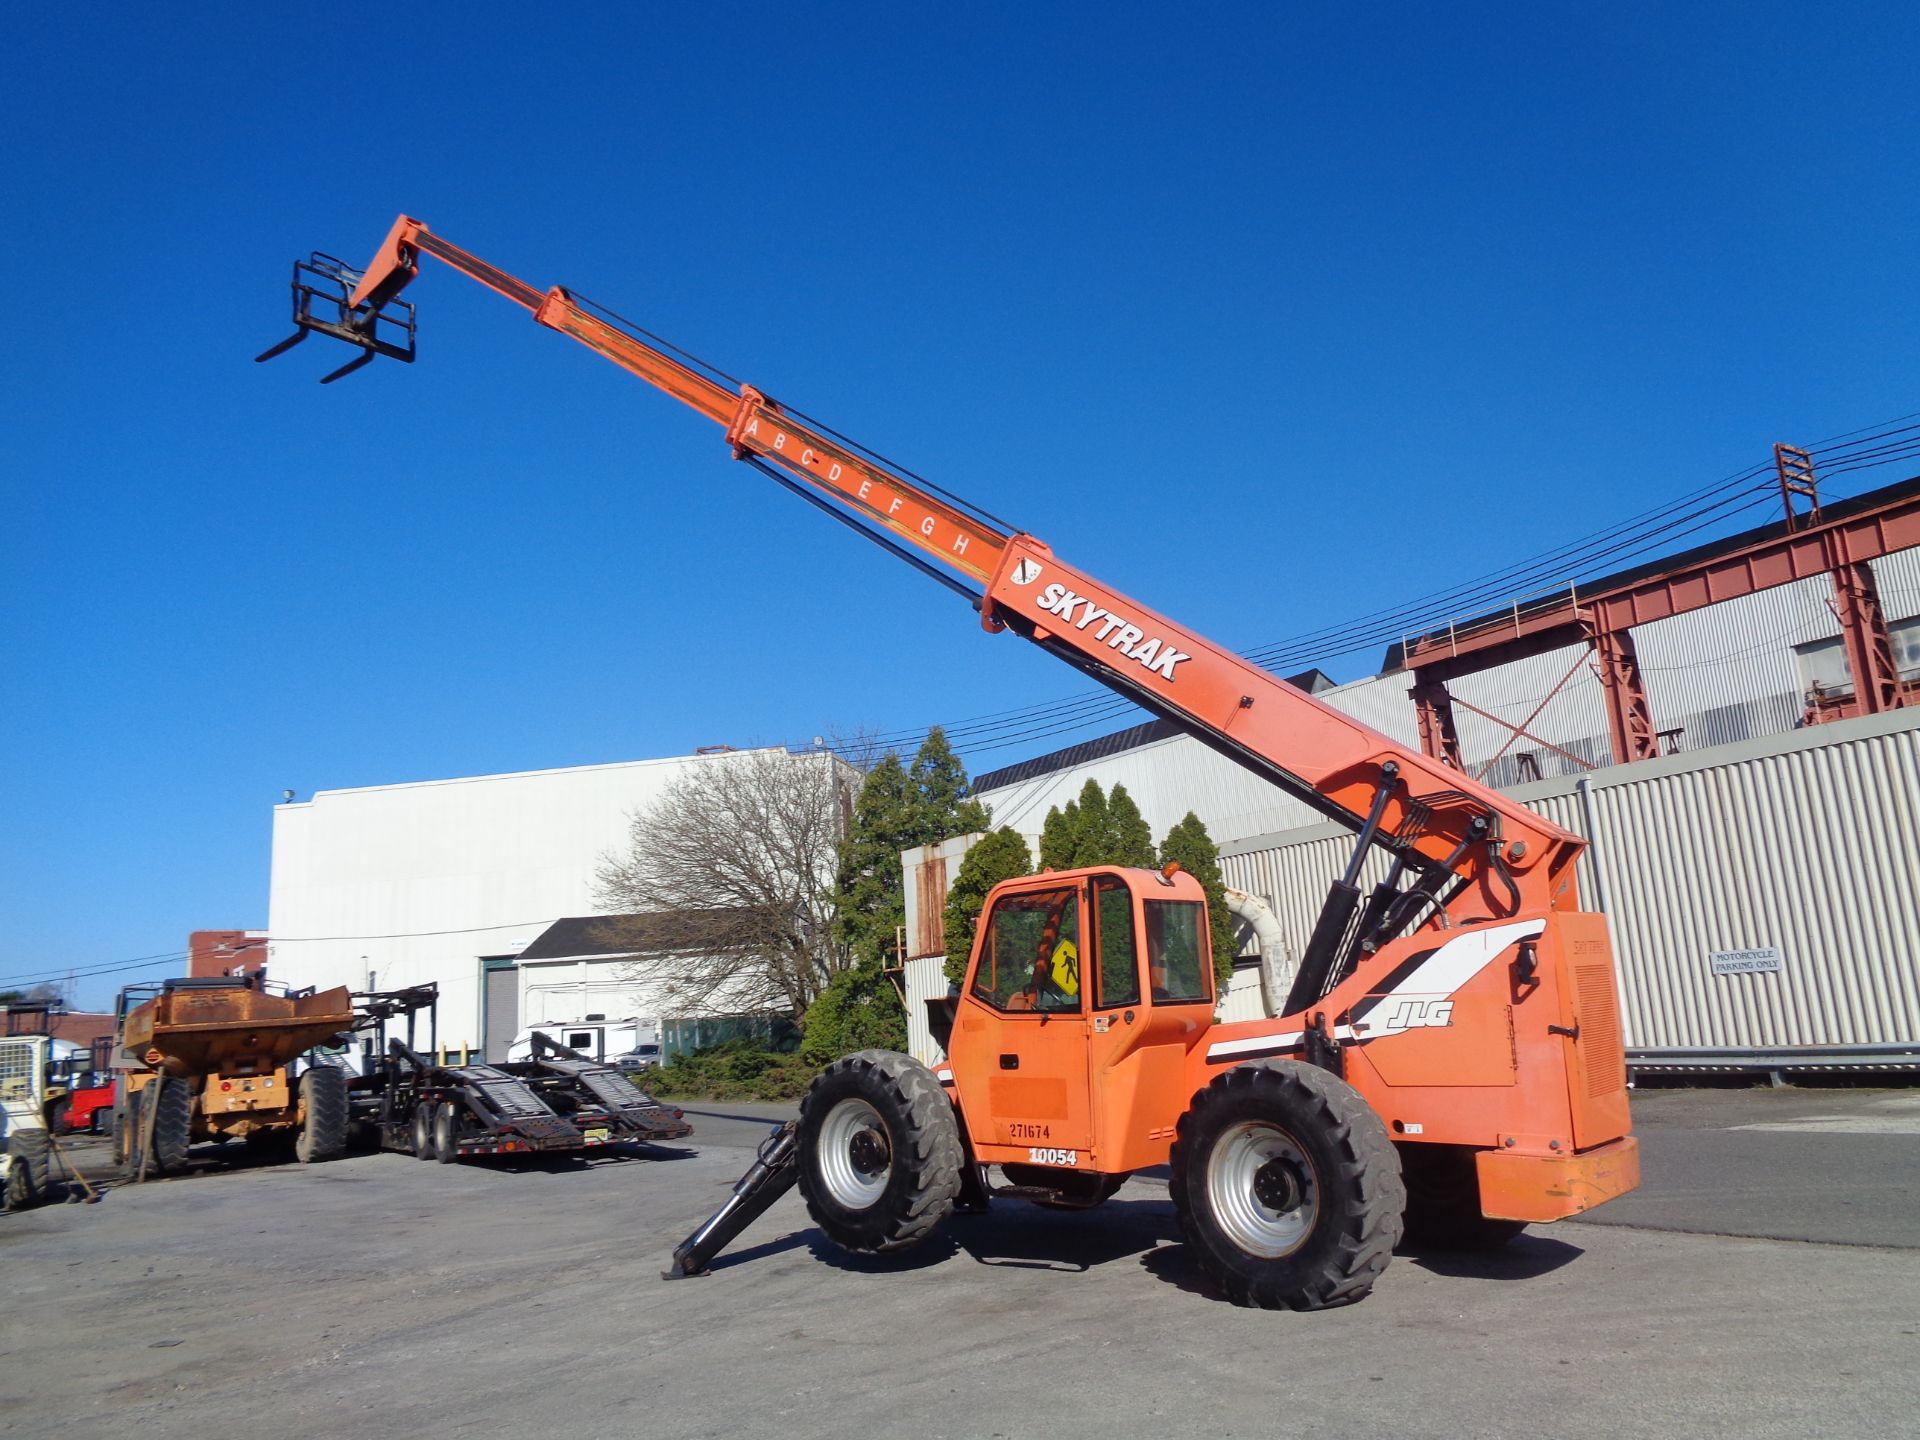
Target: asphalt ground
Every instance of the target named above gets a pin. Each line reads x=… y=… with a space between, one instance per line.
x=1764 y=1282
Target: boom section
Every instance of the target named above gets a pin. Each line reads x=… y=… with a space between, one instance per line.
x=1480 y=852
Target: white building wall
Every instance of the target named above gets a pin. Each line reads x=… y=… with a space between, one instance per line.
x=418 y=882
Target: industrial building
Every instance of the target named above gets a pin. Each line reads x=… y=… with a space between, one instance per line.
x=465 y=883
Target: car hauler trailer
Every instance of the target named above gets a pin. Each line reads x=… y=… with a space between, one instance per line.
x=428 y=1106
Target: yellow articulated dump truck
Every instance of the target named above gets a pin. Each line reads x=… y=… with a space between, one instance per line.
x=210 y=1060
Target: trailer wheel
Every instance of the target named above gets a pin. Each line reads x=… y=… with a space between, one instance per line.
x=1443 y=1201
x=423 y=1131
x=880 y=1152
x=1287 y=1187
x=28 y=1174
x=172 y=1124
x=446 y=1133
x=323 y=1134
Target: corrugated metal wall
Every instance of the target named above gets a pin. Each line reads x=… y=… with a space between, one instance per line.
x=1808 y=842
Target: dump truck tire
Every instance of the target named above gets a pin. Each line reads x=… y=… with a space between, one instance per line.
x=323 y=1134
x=880 y=1152
x=446 y=1133
x=1443 y=1202
x=31 y=1171
x=422 y=1132
x=1287 y=1187
x=172 y=1125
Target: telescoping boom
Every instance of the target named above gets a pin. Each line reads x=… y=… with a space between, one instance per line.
x=1463 y=994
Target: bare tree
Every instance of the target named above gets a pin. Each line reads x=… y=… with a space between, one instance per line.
x=729 y=878
x=861 y=746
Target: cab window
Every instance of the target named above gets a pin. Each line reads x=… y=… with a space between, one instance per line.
x=1032 y=957
x=1176 y=951
x=1119 y=974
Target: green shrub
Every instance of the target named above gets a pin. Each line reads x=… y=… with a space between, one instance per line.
x=735 y=1070
x=859 y=1010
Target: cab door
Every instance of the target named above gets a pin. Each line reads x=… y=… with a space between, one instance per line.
x=1139 y=1034
x=1019 y=1048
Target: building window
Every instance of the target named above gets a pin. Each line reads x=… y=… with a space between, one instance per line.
x=1823 y=667
x=1905 y=635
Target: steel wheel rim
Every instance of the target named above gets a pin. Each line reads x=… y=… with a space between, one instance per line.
x=1252 y=1224
x=845 y=1181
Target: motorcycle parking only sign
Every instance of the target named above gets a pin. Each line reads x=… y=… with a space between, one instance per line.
x=1746 y=962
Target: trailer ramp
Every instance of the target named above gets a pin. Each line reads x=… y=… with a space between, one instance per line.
x=511 y=1105
x=636 y=1114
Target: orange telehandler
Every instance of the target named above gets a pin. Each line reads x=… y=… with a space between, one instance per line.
x=1449 y=1059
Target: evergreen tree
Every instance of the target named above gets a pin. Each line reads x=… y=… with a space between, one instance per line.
x=1132 y=837
x=1189 y=845
x=946 y=795
x=899 y=807
x=859 y=1010
x=1093 y=841
x=1000 y=856
x=1060 y=838
x=1096 y=829
x=870 y=904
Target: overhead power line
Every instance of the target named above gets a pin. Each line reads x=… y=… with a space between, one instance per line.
x=1588 y=558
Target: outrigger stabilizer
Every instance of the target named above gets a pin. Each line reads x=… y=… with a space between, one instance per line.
x=379 y=325
x=772 y=1174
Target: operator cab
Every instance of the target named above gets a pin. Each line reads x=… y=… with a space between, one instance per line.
x=1085 y=992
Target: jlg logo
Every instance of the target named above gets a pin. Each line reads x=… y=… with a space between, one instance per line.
x=1053 y=1157
x=1417 y=1013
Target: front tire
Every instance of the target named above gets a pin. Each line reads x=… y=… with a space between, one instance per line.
x=323 y=1133
x=1287 y=1187
x=880 y=1153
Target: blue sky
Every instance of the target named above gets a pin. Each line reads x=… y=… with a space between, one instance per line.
x=1270 y=315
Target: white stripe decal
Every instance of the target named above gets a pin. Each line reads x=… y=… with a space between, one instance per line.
x=1463 y=957
x=1226 y=1049
x=1441 y=973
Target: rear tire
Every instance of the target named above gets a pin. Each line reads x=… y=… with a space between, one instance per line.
x=323 y=1134
x=446 y=1133
x=423 y=1132
x=30 y=1172
x=1287 y=1187
x=172 y=1125
x=1443 y=1202
x=880 y=1152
